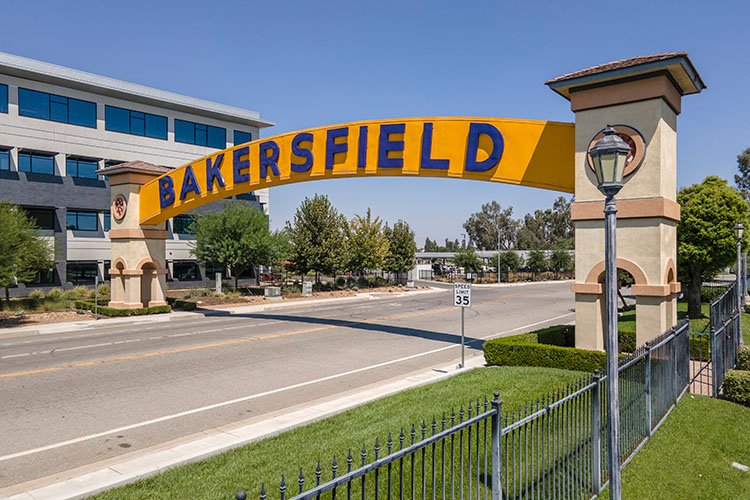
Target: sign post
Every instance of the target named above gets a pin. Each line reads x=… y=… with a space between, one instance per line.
x=462 y=299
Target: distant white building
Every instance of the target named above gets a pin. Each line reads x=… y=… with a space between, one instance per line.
x=59 y=125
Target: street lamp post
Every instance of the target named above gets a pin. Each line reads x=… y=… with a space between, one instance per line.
x=739 y=229
x=498 y=255
x=609 y=156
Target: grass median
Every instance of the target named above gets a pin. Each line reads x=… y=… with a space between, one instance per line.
x=220 y=476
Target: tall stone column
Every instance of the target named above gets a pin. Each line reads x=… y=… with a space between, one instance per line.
x=138 y=272
x=643 y=96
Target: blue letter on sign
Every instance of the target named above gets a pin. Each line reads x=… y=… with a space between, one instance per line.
x=362 y=150
x=213 y=172
x=332 y=148
x=472 y=147
x=269 y=161
x=240 y=165
x=386 y=145
x=302 y=152
x=166 y=191
x=189 y=183
x=427 y=161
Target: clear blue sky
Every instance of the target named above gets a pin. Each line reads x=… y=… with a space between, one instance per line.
x=305 y=64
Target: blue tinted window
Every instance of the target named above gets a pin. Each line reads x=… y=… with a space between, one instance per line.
x=81 y=113
x=200 y=134
x=242 y=137
x=33 y=104
x=183 y=224
x=82 y=221
x=135 y=123
x=184 y=132
x=107 y=221
x=56 y=108
x=4 y=160
x=81 y=168
x=3 y=98
x=36 y=163
x=156 y=126
x=117 y=119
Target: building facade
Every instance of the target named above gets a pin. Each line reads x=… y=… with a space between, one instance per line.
x=59 y=125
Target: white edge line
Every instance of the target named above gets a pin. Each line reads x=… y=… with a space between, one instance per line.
x=255 y=396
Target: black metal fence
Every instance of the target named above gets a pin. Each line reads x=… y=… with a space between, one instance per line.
x=554 y=447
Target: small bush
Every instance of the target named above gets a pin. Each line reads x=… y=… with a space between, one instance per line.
x=104 y=289
x=111 y=311
x=55 y=294
x=743 y=358
x=355 y=288
x=711 y=293
x=737 y=386
x=36 y=295
x=627 y=339
x=78 y=292
x=341 y=282
x=500 y=353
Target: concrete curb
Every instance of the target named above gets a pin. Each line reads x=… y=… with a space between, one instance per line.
x=95 y=478
x=71 y=326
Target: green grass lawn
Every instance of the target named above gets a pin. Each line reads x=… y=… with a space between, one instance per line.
x=691 y=455
x=220 y=476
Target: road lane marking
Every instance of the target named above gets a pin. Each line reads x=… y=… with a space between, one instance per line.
x=345 y=324
x=261 y=394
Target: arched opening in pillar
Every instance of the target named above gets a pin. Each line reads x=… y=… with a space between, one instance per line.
x=147 y=283
x=626 y=310
x=118 y=282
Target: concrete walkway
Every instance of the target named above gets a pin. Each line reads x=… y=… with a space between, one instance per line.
x=91 y=479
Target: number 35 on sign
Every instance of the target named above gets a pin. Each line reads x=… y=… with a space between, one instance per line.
x=462 y=294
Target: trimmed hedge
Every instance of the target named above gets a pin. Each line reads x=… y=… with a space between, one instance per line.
x=737 y=386
x=112 y=311
x=627 y=340
x=711 y=293
x=184 y=305
x=743 y=358
x=550 y=347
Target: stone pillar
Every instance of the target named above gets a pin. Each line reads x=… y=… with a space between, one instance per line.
x=643 y=96
x=138 y=272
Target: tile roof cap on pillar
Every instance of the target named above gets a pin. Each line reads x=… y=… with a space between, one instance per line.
x=677 y=64
x=137 y=166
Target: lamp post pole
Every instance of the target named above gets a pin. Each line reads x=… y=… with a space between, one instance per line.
x=739 y=229
x=613 y=399
x=498 y=255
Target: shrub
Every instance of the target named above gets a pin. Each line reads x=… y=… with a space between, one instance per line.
x=111 y=311
x=502 y=353
x=743 y=358
x=737 y=386
x=55 y=294
x=711 y=293
x=700 y=348
x=341 y=282
x=77 y=293
x=104 y=289
x=627 y=339
x=36 y=295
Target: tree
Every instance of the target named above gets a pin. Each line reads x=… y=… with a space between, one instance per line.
x=510 y=260
x=483 y=226
x=705 y=238
x=547 y=229
x=317 y=236
x=531 y=232
x=537 y=261
x=561 y=260
x=468 y=259
x=431 y=246
x=236 y=237
x=366 y=243
x=743 y=179
x=23 y=251
x=401 y=248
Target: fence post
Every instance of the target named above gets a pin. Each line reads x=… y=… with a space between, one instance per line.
x=675 y=384
x=596 y=435
x=497 y=458
x=648 y=388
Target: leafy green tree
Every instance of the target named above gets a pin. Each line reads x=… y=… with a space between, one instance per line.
x=401 y=248
x=318 y=237
x=509 y=260
x=366 y=242
x=236 y=237
x=468 y=259
x=705 y=238
x=561 y=260
x=547 y=229
x=537 y=261
x=23 y=251
x=742 y=180
x=484 y=226
x=430 y=246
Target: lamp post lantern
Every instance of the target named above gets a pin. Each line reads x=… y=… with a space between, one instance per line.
x=608 y=157
x=739 y=230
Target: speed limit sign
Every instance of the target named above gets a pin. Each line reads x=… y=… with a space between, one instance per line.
x=462 y=294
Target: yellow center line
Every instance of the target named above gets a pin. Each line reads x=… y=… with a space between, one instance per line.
x=241 y=341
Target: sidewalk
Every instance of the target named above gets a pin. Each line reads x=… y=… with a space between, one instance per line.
x=91 y=479
x=74 y=326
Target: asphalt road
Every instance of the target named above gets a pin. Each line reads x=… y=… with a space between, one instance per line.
x=71 y=399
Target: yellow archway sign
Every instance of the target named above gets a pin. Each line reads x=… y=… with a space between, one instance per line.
x=526 y=152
